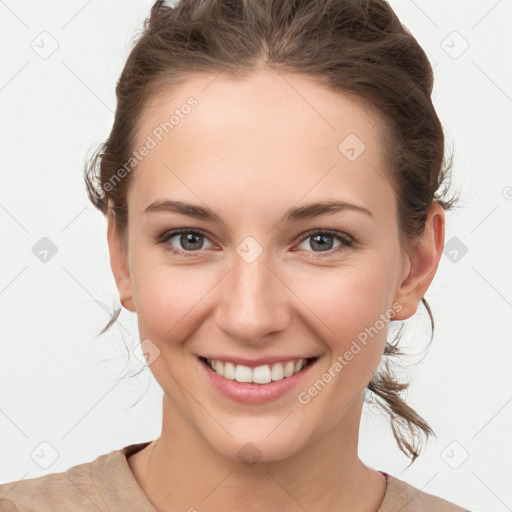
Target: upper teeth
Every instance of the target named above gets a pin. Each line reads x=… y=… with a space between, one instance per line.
x=259 y=375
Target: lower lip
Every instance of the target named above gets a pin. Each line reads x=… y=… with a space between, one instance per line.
x=250 y=393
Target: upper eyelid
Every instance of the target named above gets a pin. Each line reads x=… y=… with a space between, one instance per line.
x=344 y=237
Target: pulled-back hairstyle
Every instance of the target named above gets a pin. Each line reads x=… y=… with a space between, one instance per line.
x=353 y=46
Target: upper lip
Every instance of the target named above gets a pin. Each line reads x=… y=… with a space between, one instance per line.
x=253 y=363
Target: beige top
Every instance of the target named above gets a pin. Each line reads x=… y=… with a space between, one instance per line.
x=108 y=484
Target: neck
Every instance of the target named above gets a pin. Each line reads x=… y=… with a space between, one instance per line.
x=180 y=471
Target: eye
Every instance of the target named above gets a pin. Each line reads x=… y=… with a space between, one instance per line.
x=320 y=239
x=190 y=240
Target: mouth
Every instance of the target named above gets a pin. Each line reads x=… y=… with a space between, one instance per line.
x=263 y=374
x=258 y=384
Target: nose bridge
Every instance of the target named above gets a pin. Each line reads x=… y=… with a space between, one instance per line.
x=252 y=304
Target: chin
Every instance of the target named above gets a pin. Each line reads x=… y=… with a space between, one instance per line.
x=258 y=447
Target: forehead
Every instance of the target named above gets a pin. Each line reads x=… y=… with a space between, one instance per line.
x=265 y=99
x=264 y=136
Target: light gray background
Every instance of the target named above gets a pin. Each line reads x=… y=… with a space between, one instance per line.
x=59 y=384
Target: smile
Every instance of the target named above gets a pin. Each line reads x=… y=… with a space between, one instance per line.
x=263 y=374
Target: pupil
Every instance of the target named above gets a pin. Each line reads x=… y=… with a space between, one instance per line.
x=189 y=239
x=321 y=244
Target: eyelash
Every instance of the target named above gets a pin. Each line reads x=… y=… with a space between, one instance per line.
x=343 y=238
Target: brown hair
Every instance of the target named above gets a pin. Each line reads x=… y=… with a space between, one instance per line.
x=353 y=46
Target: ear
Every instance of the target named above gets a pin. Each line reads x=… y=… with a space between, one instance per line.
x=423 y=261
x=119 y=261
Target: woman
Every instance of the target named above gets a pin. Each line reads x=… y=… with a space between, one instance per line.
x=271 y=184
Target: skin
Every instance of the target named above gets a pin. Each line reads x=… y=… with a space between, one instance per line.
x=250 y=150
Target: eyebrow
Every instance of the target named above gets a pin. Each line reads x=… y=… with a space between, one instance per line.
x=294 y=214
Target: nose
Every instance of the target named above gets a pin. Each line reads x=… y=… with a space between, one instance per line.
x=253 y=301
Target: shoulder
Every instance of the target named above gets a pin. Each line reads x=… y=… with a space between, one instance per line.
x=411 y=499
x=72 y=488
x=91 y=486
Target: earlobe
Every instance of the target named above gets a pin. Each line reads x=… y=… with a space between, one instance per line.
x=423 y=262
x=119 y=262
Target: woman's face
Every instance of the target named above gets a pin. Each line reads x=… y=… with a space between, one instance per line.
x=252 y=280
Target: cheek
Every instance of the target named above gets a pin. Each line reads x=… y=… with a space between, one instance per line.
x=352 y=314
x=349 y=305
x=168 y=300
x=340 y=304
x=346 y=300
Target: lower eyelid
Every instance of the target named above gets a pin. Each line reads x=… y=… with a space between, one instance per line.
x=342 y=239
x=170 y=236
x=165 y=238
